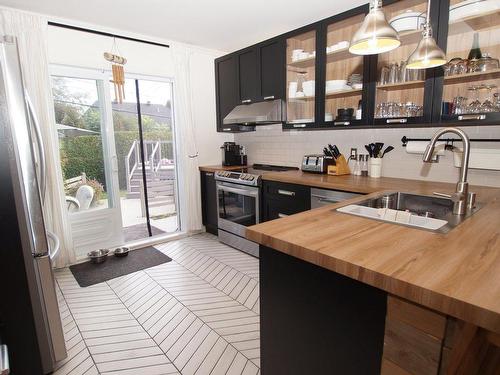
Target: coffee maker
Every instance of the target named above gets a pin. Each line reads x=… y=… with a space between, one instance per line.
x=233 y=154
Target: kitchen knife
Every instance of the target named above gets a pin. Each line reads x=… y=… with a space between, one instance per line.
x=332 y=150
x=336 y=151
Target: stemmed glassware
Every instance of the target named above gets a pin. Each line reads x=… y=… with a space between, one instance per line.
x=488 y=105
x=475 y=105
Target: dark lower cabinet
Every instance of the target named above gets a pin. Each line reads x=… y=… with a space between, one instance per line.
x=314 y=321
x=209 y=202
x=281 y=199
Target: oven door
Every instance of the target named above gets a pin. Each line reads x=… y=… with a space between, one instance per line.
x=237 y=206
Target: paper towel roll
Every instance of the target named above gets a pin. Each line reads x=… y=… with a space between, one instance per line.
x=418 y=147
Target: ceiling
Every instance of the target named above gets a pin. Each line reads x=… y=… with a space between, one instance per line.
x=225 y=25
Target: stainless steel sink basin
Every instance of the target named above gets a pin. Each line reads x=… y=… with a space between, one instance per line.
x=413 y=210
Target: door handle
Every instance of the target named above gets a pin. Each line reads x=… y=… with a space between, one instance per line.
x=246 y=101
x=4 y=360
x=270 y=97
x=39 y=141
x=299 y=125
x=238 y=191
x=280 y=215
x=396 y=121
x=286 y=192
x=114 y=161
x=471 y=117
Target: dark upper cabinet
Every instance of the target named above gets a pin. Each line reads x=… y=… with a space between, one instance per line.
x=251 y=75
x=403 y=96
x=312 y=70
x=468 y=93
x=247 y=76
x=270 y=70
x=226 y=86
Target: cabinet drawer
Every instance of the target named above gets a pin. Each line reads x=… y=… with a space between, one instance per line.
x=286 y=192
x=275 y=209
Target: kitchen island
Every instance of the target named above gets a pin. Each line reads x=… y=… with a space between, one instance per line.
x=434 y=298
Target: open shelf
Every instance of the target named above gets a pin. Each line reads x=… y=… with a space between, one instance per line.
x=471 y=77
x=343 y=93
x=303 y=63
x=336 y=94
x=401 y=85
x=339 y=55
x=477 y=22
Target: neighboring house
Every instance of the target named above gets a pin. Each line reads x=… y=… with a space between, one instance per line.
x=158 y=112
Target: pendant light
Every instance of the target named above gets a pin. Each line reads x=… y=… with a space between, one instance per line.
x=427 y=54
x=375 y=35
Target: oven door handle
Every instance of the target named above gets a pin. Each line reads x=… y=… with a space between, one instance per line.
x=250 y=193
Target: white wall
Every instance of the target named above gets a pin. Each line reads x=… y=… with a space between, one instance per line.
x=69 y=47
x=270 y=145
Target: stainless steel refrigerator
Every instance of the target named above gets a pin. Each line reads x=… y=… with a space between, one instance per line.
x=29 y=296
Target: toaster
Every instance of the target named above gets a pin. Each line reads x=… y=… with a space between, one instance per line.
x=317 y=163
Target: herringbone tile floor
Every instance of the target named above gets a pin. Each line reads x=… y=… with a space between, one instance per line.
x=198 y=314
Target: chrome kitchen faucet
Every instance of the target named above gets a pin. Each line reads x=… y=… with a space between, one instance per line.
x=461 y=198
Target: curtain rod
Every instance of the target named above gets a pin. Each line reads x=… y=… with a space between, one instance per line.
x=103 y=33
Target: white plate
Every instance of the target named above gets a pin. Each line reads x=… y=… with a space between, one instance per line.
x=471 y=8
x=408 y=21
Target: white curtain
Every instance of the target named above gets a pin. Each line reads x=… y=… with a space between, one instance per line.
x=31 y=33
x=187 y=152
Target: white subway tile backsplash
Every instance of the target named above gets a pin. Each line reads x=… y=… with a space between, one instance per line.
x=269 y=144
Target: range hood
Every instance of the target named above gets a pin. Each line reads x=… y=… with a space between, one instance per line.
x=262 y=113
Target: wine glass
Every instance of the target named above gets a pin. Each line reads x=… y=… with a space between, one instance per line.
x=488 y=105
x=475 y=105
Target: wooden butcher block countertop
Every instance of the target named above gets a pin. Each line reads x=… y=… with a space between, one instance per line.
x=457 y=273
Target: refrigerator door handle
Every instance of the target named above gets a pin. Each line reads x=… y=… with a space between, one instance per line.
x=4 y=360
x=39 y=141
x=54 y=244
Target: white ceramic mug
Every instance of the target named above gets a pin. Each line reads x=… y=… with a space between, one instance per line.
x=375 y=167
x=308 y=87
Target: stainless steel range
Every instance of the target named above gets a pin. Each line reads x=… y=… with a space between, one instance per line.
x=238 y=204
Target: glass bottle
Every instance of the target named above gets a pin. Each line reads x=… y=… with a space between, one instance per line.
x=357 y=166
x=475 y=51
x=359 y=111
x=364 y=166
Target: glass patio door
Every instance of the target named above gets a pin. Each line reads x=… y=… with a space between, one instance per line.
x=89 y=164
x=147 y=173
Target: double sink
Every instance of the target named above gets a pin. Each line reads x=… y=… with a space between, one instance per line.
x=412 y=210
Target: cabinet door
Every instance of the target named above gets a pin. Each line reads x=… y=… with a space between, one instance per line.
x=403 y=96
x=271 y=70
x=346 y=75
x=301 y=64
x=247 y=76
x=209 y=202
x=226 y=87
x=471 y=79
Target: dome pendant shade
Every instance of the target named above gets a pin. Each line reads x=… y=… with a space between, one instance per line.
x=375 y=35
x=427 y=54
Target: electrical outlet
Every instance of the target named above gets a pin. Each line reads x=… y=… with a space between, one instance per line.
x=354 y=154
